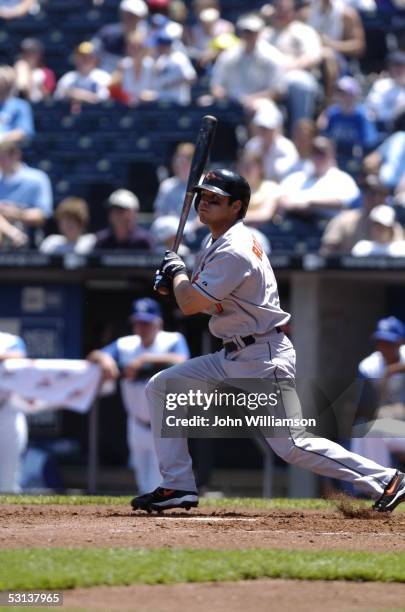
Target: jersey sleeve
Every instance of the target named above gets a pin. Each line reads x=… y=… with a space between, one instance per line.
x=112 y=350
x=13 y=344
x=43 y=196
x=20 y=345
x=221 y=275
x=23 y=119
x=371 y=367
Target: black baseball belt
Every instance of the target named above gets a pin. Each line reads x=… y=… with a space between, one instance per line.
x=230 y=347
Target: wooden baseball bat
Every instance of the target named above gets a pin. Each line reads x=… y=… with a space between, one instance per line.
x=200 y=158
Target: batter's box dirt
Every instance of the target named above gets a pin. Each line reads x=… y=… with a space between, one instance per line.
x=116 y=526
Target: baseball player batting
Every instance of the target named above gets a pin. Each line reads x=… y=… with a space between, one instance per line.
x=233 y=281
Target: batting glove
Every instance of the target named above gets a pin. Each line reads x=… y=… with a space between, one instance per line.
x=163 y=283
x=171 y=265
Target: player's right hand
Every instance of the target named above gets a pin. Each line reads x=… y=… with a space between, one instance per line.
x=109 y=369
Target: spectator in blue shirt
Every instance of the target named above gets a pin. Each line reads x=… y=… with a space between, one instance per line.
x=348 y=124
x=388 y=161
x=169 y=199
x=16 y=121
x=25 y=192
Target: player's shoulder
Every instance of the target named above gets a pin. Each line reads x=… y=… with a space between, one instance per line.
x=99 y=74
x=372 y=366
x=230 y=55
x=17 y=103
x=10 y=342
x=338 y=175
x=128 y=343
x=34 y=174
x=169 y=183
x=402 y=353
x=165 y=341
x=6 y=337
x=168 y=337
x=237 y=242
x=382 y=85
x=234 y=234
x=284 y=145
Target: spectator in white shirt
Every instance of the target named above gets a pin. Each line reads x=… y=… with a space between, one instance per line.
x=342 y=34
x=387 y=95
x=87 y=83
x=209 y=25
x=302 y=48
x=72 y=217
x=110 y=40
x=264 y=193
x=13 y=9
x=325 y=190
x=382 y=231
x=278 y=153
x=303 y=135
x=250 y=70
x=132 y=82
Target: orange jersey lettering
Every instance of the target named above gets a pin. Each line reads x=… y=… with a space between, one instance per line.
x=257 y=249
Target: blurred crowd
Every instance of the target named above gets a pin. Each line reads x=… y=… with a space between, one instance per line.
x=323 y=141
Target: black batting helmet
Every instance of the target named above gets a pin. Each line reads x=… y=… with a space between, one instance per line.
x=227 y=183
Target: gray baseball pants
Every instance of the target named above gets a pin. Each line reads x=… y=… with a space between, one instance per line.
x=273 y=357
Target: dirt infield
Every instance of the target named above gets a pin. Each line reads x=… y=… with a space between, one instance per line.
x=29 y=526
x=257 y=595
x=116 y=526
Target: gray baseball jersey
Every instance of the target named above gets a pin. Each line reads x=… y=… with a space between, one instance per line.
x=235 y=273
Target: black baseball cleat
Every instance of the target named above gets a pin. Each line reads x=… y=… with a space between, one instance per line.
x=165 y=499
x=393 y=495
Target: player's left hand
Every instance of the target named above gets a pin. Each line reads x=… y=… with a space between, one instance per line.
x=171 y=265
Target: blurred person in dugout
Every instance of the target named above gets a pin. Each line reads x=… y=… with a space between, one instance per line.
x=138 y=356
x=382 y=437
x=72 y=217
x=13 y=424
